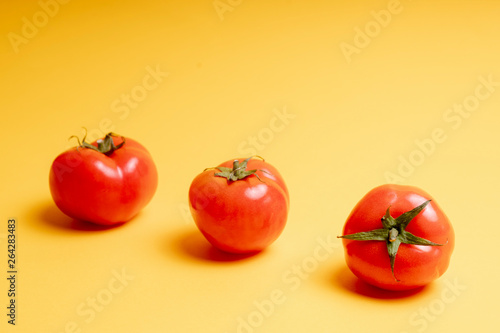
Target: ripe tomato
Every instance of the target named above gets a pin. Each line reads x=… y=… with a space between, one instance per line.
x=106 y=182
x=397 y=238
x=240 y=210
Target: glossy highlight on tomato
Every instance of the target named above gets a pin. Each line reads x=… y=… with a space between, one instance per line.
x=240 y=206
x=106 y=182
x=398 y=238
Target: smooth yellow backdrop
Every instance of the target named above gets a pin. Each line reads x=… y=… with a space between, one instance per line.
x=340 y=96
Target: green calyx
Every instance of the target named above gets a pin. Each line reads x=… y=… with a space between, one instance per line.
x=239 y=170
x=394 y=233
x=105 y=146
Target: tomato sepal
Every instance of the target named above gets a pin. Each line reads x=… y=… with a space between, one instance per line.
x=105 y=146
x=238 y=172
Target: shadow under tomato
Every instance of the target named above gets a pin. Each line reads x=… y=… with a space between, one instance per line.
x=49 y=214
x=194 y=245
x=348 y=281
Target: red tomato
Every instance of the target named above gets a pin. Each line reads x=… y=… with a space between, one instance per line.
x=240 y=210
x=396 y=239
x=106 y=182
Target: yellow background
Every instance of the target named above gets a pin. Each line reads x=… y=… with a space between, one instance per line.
x=353 y=121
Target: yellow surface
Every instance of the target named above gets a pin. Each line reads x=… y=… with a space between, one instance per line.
x=341 y=96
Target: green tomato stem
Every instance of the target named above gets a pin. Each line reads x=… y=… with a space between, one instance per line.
x=105 y=146
x=239 y=170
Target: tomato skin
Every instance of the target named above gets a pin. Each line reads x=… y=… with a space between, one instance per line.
x=415 y=265
x=90 y=186
x=242 y=216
